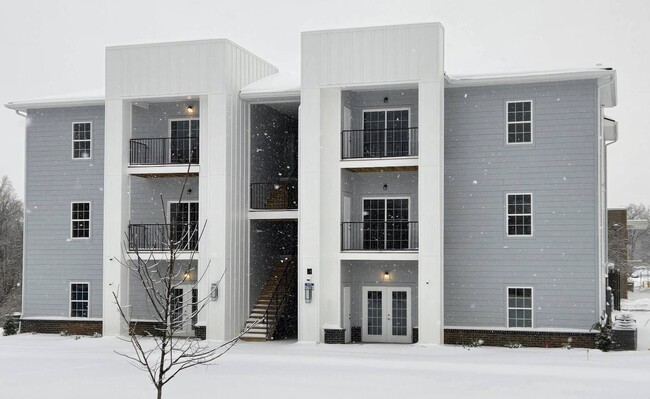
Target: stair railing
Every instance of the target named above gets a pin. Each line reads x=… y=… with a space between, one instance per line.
x=278 y=299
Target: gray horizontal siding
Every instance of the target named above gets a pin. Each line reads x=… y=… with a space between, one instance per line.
x=52 y=181
x=559 y=168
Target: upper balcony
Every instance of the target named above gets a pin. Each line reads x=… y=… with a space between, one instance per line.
x=164 y=138
x=379 y=127
x=274 y=160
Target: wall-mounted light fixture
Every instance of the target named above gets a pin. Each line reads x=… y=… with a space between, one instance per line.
x=187 y=276
x=190 y=109
x=214 y=291
x=385 y=187
x=386 y=276
x=385 y=100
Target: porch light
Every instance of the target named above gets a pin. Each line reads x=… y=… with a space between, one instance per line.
x=187 y=276
x=386 y=276
x=190 y=109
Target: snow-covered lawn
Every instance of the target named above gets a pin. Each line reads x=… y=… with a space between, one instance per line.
x=37 y=366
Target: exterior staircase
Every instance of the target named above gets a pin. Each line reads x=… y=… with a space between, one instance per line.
x=264 y=318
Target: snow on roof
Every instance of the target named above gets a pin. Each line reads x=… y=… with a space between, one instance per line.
x=85 y=98
x=496 y=78
x=276 y=85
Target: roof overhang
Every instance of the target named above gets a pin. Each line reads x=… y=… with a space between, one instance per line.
x=274 y=87
x=606 y=78
x=81 y=99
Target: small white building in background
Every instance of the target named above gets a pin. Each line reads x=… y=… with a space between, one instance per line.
x=378 y=199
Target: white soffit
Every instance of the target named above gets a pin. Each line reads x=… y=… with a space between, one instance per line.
x=77 y=99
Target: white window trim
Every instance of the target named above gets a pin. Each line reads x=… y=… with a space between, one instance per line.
x=169 y=124
x=532 y=306
x=363 y=113
x=169 y=208
x=532 y=124
x=90 y=220
x=532 y=218
x=73 y=140
x=70 y=299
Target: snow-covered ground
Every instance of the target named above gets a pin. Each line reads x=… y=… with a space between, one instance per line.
x=37 y=366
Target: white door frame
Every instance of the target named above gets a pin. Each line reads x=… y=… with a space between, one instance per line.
x=386 y=299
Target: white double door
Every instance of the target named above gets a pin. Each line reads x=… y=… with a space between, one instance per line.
x=386 y=314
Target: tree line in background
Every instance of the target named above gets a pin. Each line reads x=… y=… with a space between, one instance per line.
x=638 y=241
x=11 y=248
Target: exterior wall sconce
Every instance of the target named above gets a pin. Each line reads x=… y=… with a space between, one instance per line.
x=187 y=276
x=214 y=292
x=385 y=187
x=190 y=110
x=386 y=276
x=385 y=100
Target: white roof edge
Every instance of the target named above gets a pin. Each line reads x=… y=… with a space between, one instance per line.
x=80 y=99
x=374 y=27
x=277 y=85
x=522 y=77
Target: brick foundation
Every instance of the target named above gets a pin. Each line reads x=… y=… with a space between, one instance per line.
x=335 y=335
x=539 y=339
x=356 y=334
x=146 y=328
x=72 y=327
x=200 y=332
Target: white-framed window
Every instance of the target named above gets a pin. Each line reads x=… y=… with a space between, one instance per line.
x=519 y=218
x=386 y=133
x=79 y=299
x=82 y=140
x=520 y=307
x=80 y=220
x=519 y=121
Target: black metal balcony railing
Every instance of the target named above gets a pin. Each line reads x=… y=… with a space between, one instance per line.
x=379 y=235
x=156 y=237
x=280 y=195
x=379 y=143
x=164 y=151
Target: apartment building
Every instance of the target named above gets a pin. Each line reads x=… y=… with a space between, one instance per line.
x=375 y=199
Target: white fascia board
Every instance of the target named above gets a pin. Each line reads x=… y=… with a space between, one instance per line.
x=55 y=103
x=528 y=77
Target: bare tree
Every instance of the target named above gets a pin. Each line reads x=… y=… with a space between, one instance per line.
x=161 y=277
x=11 y=240
x=639 y=240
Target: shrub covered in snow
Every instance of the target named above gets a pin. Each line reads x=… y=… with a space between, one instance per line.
x=10 y=327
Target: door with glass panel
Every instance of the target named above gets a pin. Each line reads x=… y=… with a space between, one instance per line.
x=184 y=222
x=184 y=141
x=184 y=309
x=385 y=223
x=386 y=133
x=386 y=314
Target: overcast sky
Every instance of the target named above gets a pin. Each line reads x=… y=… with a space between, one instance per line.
x=57 y=47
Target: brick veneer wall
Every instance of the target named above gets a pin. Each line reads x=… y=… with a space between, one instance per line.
x=356 y=334
x=335 y=335
x=74 y=327
x=146 y=328
x=540 y=339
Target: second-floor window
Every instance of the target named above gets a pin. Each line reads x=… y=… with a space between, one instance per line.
x=80 y=220
x=520 y=214
x=520 y=122
x=81 y=140
x=386 y=133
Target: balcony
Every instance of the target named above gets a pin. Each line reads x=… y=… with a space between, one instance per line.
x=379 y=236
x=275 y=196
x=379 y=143
x=164 y=151
x=163 y=237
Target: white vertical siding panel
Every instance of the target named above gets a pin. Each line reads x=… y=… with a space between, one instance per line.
x=401 y=54
x=390 y=54
x=323 y=70
x=346 y=56
x=357 y=59
x=334 y=58
x=379 y=56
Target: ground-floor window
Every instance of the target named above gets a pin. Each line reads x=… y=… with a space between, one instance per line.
x=79 y=299
x=520 y=307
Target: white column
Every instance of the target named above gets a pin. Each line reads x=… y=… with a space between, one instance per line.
x=212 y=212
x=117 y=133
x=309 y=212
x=330 y=200
x=431 y=210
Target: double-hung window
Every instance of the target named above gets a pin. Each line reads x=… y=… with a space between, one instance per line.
x=79 y=300
x=520 y=122
x=81 y=140
x=520 y=214
x=80 y=220
x=520 y=307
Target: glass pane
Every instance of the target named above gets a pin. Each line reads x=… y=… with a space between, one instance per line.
x=399 y=315
x=375 y=316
